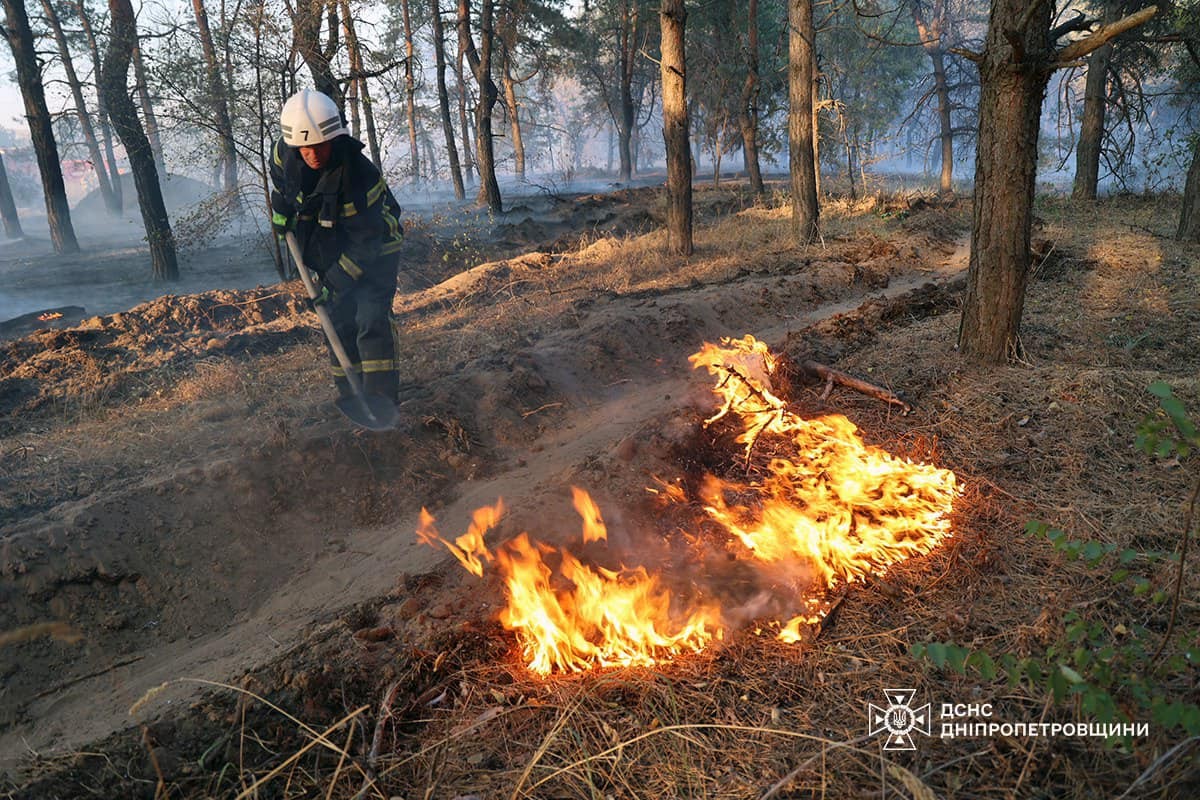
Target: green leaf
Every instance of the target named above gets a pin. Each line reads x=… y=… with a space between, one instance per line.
x=1118 y=575
x=936 y=652
x=1160 y=389
x=1093 y=551
x=1127 y=555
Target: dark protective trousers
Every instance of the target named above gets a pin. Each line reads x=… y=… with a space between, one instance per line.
x=362 y=317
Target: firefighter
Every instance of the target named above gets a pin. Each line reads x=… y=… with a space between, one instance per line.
x=347 y=224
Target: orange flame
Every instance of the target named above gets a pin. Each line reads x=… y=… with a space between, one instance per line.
x=842 y=507
x=828 y=507
x=575 y=617
x=49 y=315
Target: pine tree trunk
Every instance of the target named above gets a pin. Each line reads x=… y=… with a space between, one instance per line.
x=946 y=130
x=1189 y=214
x=8 y=209
x=439 y=54
x=931 y=27
x=748 y=118
x=216 y=85
x=1012 y=86
x=800 y=121
x=307 y=19
x=672 y=20
x=469 y=166
x=514 y=117
x=41 y=129
x=121 y=44
x=85 y=119
x=353 y=106
x=260 y=13
x=1091 y=127
x=363 y=88
x=627 y=53
x=113 y=169
x=481 y=65
x=410 y=92
x=151 y=132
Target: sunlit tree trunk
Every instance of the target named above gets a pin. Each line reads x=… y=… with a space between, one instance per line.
x=672 y=19
x=121 y=42
x=410 y=92
x=8 y=209
x=81 y=110
x=439 y=54
x=481 y=65
x=41 y=129
x=800 y=121
x=353 y=106
x=1189 y=215
x=514 y=112
x=748 y=116
x=114 y=171
x=216 y=85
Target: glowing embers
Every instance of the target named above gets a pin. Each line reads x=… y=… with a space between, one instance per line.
x=819 y=508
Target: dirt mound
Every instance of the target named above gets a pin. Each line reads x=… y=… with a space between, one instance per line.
x=179 y=192
x=103 y=357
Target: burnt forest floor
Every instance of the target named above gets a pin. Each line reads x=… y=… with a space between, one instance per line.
x=212 y=587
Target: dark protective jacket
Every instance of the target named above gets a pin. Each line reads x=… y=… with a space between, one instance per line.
x=345 y=217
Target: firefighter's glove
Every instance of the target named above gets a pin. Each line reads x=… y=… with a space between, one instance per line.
x=324 y=297
x=280 y=223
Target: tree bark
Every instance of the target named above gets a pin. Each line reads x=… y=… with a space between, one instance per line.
x=1091 y=127
x=1189 y=214
x=216 y=85
x=143 y=90
x=81 y=111
x=932 y=29
x=748 y=116
x=113 y=169
x=439 y=55
x=306 y=32
x=627 y=55
x=360 y=85
x=481 y=65
x=41 y=129
x=514 y=112
x=470 y=169
x=672 y=20
x=1013 y=73
x=800 y=121
x=8 y=209
x=410 y=92
x=121 y=44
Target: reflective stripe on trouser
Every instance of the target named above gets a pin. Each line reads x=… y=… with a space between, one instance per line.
x=363 y=320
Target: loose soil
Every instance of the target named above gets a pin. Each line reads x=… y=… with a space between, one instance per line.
x=181 y=496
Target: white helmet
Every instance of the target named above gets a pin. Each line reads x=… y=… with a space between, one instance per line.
x=309 y=118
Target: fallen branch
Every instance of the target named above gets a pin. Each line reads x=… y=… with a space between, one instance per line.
x=832 y=376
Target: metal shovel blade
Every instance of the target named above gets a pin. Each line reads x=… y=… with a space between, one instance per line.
x=372 y=412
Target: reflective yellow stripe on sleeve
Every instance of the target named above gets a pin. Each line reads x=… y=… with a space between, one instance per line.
x=376 y=192
x=349 y=210
x=275 y=155
x=351 y=269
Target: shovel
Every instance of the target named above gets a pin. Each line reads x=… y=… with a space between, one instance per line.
x=368 y=411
